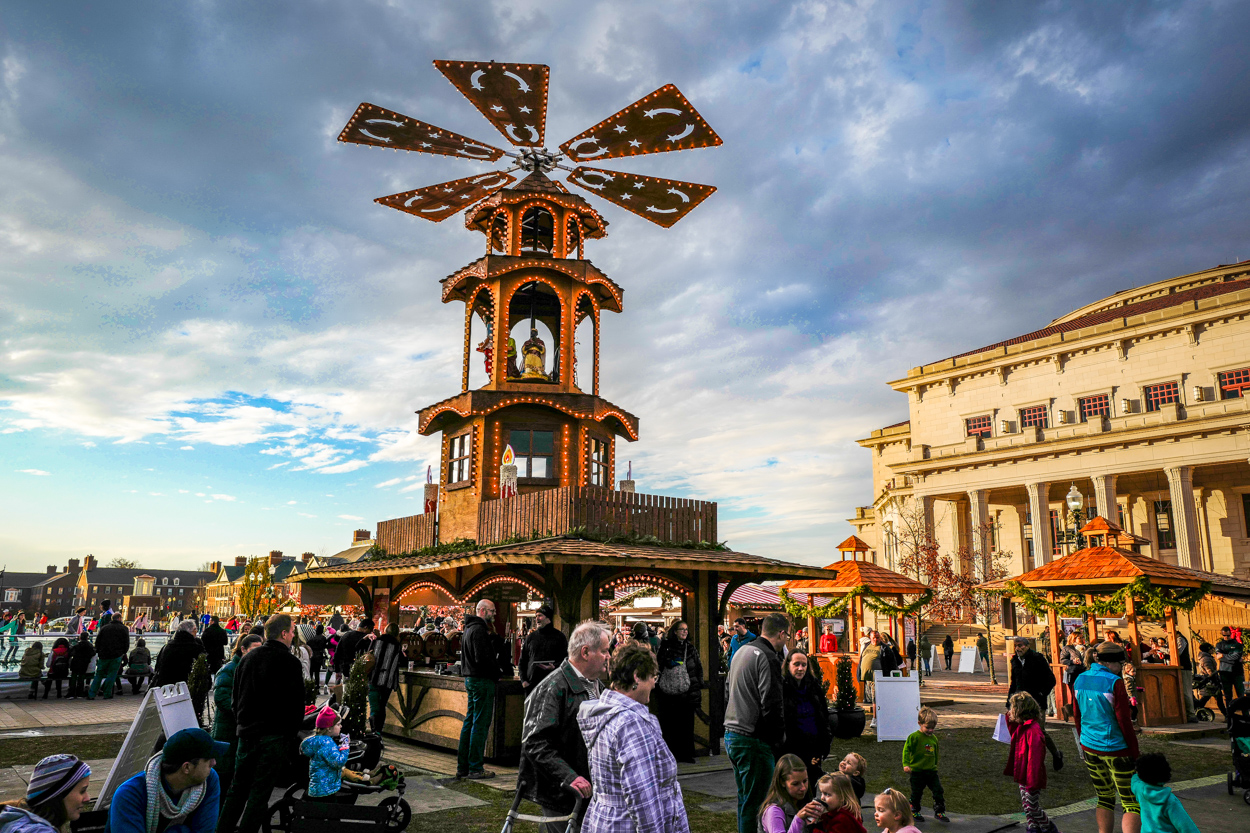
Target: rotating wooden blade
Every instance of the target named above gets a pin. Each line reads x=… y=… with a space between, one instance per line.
x=513 y=97
x=662 y=201
x=374 y=125
x=658 y=123
x=438 y=202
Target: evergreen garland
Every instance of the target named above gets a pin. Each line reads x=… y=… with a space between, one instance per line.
x=1149 y=601
x=839 y=605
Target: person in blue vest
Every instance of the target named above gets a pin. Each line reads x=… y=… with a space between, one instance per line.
x=177 y=792
x=1103 y=717
x=742 y=636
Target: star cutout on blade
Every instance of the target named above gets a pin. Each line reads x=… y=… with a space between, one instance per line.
x=620 y=128
x=640 y=185
x=633 y=143
x=525 y=110
x=498 y=108
x=626 y=196
x=425 y=144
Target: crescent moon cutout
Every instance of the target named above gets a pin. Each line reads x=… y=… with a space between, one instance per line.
x=384 y=121
x=681 y=194
x=372 y=136
x=650 y=114
x=473 y=79
x=525 y=88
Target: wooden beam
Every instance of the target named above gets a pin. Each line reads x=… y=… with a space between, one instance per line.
x=1173 y=655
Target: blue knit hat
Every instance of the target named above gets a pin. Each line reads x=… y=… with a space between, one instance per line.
x=54 y=776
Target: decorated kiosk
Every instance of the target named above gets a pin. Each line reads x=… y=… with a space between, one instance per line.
x=854 y=584
x=1103 y=580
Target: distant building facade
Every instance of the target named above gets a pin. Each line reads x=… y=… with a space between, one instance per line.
x=222 y=592
x=1141 y=401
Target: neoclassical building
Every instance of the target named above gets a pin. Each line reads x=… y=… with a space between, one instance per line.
x=1140 y=400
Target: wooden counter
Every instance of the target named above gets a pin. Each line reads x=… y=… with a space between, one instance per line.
x=430 y=708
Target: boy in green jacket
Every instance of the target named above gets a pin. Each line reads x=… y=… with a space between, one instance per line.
x=920 y=762
x=1161 y=811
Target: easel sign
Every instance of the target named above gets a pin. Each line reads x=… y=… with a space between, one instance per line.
x=969 y=660
x=164 y=710
x=897 y=702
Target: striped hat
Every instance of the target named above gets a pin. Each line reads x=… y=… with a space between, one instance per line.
x=54 y=776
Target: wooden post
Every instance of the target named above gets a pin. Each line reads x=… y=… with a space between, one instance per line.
x=1056 y=638
x=813 y=638
x=1093 y=619
x=1130 y=613
x=1173 y=654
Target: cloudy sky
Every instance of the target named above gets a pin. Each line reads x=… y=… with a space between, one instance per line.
x=214 y=341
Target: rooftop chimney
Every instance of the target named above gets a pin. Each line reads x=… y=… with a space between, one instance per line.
x=51 y=569
x=306 y=557
x=72 y=566
x=214 y=567
x=361 y=535
x=275 y=557
x=88 y=563
x=240 y=561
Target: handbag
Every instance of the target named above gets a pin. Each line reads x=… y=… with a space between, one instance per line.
x=676 y=680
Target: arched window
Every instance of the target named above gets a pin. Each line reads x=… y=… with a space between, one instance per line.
x=537 y=231
x=572 y=237
x=499 y=234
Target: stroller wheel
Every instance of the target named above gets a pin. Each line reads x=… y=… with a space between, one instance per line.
x=1205 y=715
x=1230 y=783
x=1246 y=796
x=398 y=812
x=280 y=816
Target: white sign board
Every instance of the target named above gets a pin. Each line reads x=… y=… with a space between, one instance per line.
x=164 y=710
x=936 y=661
x=969 y=660
x=898 y=703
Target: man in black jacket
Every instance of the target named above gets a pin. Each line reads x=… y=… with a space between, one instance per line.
x=268 y=703
x=112 y=644
x=214 y=640
x=1030 y=672
x=554 y=765
x=544 y=649
x=173 y=663
x=479 y=664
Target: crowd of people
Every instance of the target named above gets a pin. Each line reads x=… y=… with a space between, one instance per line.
x=608 y=716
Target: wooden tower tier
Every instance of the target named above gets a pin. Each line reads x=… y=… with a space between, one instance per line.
x=536 y=304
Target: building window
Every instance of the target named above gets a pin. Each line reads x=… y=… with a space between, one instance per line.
x=164 y=581
x=1092 y=407
x=1028 y=554
x=459 y=450
x=12 y=595
x=1163 y=525
x=176 y=582
x=1056 y=548
x=1035 y=415
x=1163 y=394
x=978 y=426
x=1235 y=383
x=534 y=452
x=598 y=462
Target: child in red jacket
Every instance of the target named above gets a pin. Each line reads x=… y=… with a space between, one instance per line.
x=1026 y=762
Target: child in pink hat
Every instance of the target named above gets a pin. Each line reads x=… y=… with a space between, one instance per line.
x=326 y=750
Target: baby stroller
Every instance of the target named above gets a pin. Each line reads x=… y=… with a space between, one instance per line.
x=1239 y=736
x=392 y=814
x=1206 y=686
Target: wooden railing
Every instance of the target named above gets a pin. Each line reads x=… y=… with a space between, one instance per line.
x=407 y=534
x=599 y=510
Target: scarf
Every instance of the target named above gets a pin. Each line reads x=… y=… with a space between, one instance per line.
x=159 y=802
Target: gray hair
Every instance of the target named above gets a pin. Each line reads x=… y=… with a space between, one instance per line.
x=187 y=625
x=588 y=634
x=1020 y=640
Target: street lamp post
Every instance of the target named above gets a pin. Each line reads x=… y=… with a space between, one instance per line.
x=1076 y=512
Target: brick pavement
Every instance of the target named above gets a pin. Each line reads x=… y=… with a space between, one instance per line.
x=37 y=714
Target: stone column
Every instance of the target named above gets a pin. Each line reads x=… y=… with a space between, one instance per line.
x=1104 y=496
x=1184 y=515
x=979 y=517
x=1039 y=509
x=926 y=508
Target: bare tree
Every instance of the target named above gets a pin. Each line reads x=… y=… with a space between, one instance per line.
x=123 y=564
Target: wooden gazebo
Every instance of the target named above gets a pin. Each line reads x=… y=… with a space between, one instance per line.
x=1102 y=570
x=845 y=577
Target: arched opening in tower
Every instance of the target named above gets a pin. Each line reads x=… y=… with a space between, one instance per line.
x=584 y=344
x=533 y=329
x=537 y=232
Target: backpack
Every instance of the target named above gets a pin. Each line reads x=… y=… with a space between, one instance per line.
x=60 y=665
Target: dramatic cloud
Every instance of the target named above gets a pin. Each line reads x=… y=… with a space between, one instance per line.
x=190 y=261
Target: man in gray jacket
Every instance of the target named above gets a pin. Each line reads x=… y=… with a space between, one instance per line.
x=554 y=766
x=755 y=726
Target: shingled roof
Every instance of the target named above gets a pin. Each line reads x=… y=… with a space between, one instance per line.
x=569 y=550
x=848 y=574
x=1105 y=566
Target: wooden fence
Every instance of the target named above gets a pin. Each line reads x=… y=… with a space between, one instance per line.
x=600 y=510
x=407 y=534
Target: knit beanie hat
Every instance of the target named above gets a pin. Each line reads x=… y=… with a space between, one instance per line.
x=326 y=718
x=54 y=776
